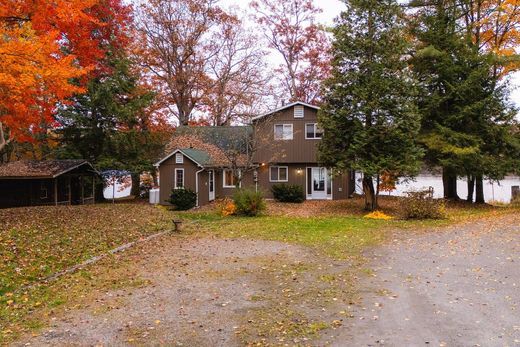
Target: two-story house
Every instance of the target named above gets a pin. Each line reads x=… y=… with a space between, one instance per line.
x=278 y=147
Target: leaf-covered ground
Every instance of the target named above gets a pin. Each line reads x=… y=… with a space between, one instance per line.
x=36 y=242
x=288 y=277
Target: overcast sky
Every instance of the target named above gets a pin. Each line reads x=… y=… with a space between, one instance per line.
x=331 y=9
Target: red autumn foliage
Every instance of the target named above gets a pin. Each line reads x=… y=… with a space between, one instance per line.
x=44 y=46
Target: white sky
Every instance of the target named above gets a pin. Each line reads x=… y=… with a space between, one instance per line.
x=332 y=8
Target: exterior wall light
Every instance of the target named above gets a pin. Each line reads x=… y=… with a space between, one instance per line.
x=299 y=171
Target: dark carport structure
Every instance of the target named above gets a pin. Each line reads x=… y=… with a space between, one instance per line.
x=47 y=182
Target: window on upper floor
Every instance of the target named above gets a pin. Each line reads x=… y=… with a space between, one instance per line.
x=179 y=158
x=278 y=174
x=283 y=131
x=298 y=111
x=313 y=131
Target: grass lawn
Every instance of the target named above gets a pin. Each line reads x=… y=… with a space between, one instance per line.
x=36 y=242
x=336 y=228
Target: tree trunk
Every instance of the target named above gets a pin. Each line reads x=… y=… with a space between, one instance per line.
x=479 y=198
x=471 y=188
x=136 y=185
x=3 y=141
x=370 y=196
x=449 y=182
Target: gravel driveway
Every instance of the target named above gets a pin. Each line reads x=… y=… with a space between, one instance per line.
x=454 y=287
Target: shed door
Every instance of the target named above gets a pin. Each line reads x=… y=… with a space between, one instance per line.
x=211 y=184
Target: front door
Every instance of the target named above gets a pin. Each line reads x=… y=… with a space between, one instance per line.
x=211 y=184
x=319 y=183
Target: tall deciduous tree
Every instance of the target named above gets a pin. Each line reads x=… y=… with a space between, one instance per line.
x=178 y=43
x=369 y=116
x=44 y=45
x=291 y=30
x=238 y=77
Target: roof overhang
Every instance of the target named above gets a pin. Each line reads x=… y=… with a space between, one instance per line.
x=172 y=154
x=286 y=107
x=42 y=177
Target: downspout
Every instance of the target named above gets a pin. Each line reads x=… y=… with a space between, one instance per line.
x=197 y=185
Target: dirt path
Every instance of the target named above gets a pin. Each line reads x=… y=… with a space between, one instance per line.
x=458 y=287
x=211 y=292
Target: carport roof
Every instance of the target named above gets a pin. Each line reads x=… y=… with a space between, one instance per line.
x=24 y=169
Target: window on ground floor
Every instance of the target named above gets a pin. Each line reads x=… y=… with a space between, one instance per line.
x=229 y=179
x=179 y=178
x=278 y=173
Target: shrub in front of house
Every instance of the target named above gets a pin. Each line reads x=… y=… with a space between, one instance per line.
x=288 y=193
x=422 y=205
x=227 y=208
x=248 y=202
x=183 y=199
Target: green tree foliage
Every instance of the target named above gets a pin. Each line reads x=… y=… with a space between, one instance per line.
x=110 y=124
x=369 y=114
x=466 y=120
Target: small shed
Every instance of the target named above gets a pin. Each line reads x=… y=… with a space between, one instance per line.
x=47 y=182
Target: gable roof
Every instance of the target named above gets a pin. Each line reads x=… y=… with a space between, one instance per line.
x=286 y=107
x=199 y=157
x=207 y=146
x=40 y=168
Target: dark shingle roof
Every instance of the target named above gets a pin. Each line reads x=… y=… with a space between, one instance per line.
x=211 y=145
x=39 y=169
x=224 y=137
x=199 y=156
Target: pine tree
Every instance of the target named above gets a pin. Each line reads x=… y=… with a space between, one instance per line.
x=464 y=110
x=369 y=114
x=109 y=125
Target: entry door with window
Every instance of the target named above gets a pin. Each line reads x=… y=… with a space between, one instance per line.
x=211 y=185
x=319 y=183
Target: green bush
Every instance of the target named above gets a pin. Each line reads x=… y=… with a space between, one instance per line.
x=248 y=202
x=422 y=205
x=288 y=193
x=183 y=199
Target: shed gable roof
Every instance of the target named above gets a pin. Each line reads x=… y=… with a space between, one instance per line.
x=40 y=168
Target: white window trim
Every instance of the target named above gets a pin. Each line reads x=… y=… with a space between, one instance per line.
x=183 y=179
x=278 y=180
x=299 y=107
x=283 y=125
x=179 y=158
x=224 y=179
x=315 y=128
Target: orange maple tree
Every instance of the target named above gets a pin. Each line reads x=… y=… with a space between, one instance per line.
x=495 y=27
x=47 y=51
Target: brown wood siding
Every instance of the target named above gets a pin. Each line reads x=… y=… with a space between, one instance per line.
x=203 y=188
x=340 y=184
x=221 y=192
x=297 y=150
x=167 y=177
x=294 y=177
